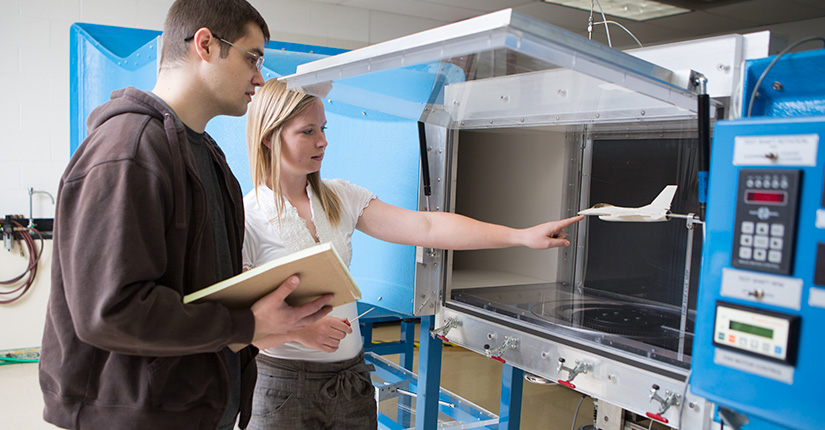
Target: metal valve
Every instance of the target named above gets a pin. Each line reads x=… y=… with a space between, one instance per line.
x=581 y=367
x=442 y=331
x=670 y=399
x=498 y=352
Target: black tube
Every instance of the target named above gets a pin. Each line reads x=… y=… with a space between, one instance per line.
x=703 y=105
x=704 y=131
x=425 y=161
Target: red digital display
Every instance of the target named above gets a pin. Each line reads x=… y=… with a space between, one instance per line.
x=766 y=197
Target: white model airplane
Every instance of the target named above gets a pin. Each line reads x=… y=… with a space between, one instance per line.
x=657 y=210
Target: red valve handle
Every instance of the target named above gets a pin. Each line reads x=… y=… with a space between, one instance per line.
x=657 y=417
x=442 y=338
x=498 y=359
x=567 y=384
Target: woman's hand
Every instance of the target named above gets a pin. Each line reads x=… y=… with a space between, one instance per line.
x=324 y=335
x=548 y=235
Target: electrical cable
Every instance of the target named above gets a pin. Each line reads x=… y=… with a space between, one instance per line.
x=23 y=233
x=623 y=28
x=11 y=360
x=770 y=66
x=604 y=19
x=576 y=413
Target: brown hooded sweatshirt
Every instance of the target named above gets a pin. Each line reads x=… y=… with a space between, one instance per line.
x=132 y=237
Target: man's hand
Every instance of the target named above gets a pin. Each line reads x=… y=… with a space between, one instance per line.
x=273 y=316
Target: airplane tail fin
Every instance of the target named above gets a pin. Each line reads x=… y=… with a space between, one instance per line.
x=663 y=200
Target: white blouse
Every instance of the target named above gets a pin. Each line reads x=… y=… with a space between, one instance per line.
x=265 y=240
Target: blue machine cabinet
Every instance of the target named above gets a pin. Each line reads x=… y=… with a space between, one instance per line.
x=758 y=350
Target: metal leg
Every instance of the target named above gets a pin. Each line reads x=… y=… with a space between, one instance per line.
x=405 y=360
x=366 y=333
x=408 y=338
x=509 y=410
x=429 y=374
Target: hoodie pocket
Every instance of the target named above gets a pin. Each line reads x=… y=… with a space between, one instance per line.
x=176 y=383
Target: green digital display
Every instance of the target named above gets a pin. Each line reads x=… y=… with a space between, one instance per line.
x=752 y=329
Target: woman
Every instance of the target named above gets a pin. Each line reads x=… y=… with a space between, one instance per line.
x=316 y=377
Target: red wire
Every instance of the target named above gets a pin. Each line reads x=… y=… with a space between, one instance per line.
x=31 y=270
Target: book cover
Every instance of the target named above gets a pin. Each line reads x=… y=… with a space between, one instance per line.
x=320 y=268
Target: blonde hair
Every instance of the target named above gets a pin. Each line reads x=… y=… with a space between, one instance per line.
x=271 y=108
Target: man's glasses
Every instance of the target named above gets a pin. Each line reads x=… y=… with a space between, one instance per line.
x=255 y=60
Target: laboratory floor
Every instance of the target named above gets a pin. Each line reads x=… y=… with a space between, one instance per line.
x=465 y=373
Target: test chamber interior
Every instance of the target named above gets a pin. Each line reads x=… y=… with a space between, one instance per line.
x=526 y=123
x=618 y=284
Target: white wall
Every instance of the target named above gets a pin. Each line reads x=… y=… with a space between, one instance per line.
x=34 y=72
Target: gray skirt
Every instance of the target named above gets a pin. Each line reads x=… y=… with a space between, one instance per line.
x=293 y=394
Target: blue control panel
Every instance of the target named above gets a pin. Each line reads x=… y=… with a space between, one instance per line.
x=759 y=346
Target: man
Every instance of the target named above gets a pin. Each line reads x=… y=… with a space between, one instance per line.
x=147 y=212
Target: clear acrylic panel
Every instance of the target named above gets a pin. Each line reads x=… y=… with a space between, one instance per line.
x=503 y=67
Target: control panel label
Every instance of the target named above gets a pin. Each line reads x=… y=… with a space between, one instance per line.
x=781 y=150
x=776 y=371
x=761 y=288
x=816 y=297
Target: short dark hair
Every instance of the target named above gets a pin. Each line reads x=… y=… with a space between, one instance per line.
x=225 y=18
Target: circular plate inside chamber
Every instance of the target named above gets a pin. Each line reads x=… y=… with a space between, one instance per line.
x=624 y=319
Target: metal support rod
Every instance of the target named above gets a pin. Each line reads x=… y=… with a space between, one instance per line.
x=411 y=394
x=685 y=289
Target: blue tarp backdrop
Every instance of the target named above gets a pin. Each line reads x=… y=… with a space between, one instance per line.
x=377 y=151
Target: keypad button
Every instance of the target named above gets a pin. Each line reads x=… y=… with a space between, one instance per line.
x=775 y=257
x=762 y=228
x=760 y=242
x=777 y=229
x=745 y=253
x=746 y=240
x=747 y=227
x=760 y=254
x=776 y=243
